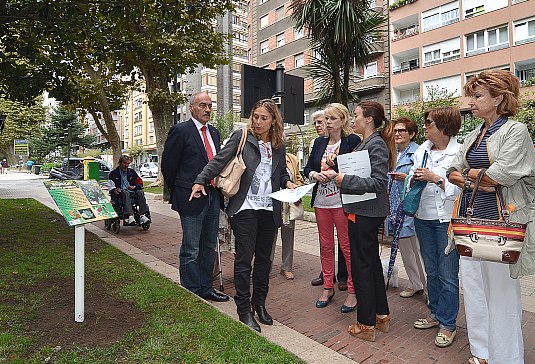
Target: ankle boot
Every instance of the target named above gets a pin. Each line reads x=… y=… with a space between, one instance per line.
x=248 y=319
x=263 y=316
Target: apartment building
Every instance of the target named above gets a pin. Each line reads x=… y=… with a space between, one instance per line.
x=274 y=40
x=442 y=43
x=223 y=83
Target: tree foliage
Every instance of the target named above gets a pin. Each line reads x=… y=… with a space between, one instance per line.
x=85 y=51
x=526 y=114
x=225 y=123
x=60 y=136
x=344 y=34
x=22 y=122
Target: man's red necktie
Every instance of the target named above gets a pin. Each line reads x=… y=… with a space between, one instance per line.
x=208 y=147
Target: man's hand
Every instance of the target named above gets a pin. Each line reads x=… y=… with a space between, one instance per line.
x=131 y=188
x=290 y=185
x=196 y=191
x=117 y=191
x=398 y=176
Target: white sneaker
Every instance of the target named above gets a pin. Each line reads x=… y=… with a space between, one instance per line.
x=143 y=219
x=131 y=220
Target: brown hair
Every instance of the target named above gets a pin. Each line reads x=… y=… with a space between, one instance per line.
x=376 y=111
x=410 y=124
x=447 y=119
x=342 y=112
x=498 y=82
x=275 y=132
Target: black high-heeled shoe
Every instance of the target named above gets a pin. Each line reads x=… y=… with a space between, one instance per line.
x=323 y=304
x=248 y=319
x=263 y=316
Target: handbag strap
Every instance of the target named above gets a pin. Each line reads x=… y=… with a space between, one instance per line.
x=424 y=160
x=242 y=142
x=502 y=210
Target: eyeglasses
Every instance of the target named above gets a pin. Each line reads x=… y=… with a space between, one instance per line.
x=428 y=122
x=400 y=131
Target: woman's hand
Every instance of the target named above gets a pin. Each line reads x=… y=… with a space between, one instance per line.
x=321 y=177
x=398 y=176
x=331 y=159
x=330 y=174
x=424 y=174
x=290 y=185
x=339 y=178
x=196 y=191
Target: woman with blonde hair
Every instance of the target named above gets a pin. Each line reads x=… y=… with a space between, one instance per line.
x=254 y=216
x=504 y=148
x=327 y=202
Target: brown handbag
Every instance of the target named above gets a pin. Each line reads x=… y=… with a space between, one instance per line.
x=494 y=240
x=228 y=180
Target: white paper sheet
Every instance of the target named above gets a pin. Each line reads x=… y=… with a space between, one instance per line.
x=288 y=195
x=358 y=164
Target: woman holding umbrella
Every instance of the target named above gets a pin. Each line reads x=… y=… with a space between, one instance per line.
x=402 y=226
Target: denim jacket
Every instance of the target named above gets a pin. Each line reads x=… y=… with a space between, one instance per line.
x=403 y=165
x=512 y=158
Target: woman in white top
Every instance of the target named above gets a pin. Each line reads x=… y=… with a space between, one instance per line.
x=432 y=220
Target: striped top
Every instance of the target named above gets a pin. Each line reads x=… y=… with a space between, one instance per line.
x=486 y=203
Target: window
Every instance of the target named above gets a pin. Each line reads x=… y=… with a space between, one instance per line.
x=298 y=33
x=299 y=60
x=236 y=83
x=525 y=31
x=151 y=139
x=370 y=70
x=498 y=38
x=306 y=119
x=451 y=55
x=279 y=13
x=475 y=43
x=440 y=16
x=431 y=22
x=264 y=21
x=478 y=10
x=280 y=39
x=450 y=17
x=432 y=57
x=264 y=47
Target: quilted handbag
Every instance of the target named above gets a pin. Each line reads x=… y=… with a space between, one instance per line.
x=494 y=240
x=228 y=180
x=411 y=201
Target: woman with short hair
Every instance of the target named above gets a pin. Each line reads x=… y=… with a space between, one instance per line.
x=504 y=148
x=431 y=161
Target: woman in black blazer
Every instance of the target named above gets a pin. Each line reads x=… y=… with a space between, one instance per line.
x=254 y=216
x=327 y=202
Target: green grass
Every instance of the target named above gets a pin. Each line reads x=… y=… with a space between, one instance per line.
x=306 y=202
x=37 y=245
x=152 y=189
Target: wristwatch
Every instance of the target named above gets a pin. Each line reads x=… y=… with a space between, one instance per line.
x=466 y=186
x=440 y=182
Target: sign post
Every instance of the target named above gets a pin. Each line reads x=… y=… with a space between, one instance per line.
x=79 y=277
x=80 y=202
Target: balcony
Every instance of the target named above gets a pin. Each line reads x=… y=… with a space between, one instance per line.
x=405 y=32
x=406 y=66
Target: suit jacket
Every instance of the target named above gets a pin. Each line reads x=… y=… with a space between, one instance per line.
x=377 y=182
x=251 y=157
x=184 y=156
x=347 y=144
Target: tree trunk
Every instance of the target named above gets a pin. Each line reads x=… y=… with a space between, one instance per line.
x=157 y=80
x=111 y=133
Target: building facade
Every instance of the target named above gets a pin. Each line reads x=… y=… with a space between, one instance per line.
x=442 y=43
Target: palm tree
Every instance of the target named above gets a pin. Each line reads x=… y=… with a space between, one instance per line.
x=343 y=34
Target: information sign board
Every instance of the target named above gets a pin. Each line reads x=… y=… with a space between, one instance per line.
x=80 y=202
x=21 y=147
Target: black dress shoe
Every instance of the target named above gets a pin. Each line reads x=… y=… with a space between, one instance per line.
x=215 y=296
x=342 y=286
x=248 y=319
x=263 y=316
x=347 y=309
x=317 y=281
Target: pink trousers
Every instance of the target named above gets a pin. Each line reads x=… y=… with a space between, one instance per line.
x=326 y=220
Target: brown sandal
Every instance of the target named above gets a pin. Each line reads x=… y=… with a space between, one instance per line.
x=382 y=324
x=362 y=331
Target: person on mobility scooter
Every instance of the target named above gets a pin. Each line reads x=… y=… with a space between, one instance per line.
x=127 y=197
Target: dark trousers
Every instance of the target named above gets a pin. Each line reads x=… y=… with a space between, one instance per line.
x=254 y=231
x=366 y=269
x=197 y=252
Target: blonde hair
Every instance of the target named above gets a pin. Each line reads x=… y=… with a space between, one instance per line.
x=498 y=82
x=341 y=111
x=276 y=130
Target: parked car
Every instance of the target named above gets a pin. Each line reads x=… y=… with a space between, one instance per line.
x=149 y=169
x=73 y=168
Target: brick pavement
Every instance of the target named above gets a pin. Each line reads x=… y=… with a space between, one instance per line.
x=292 y=304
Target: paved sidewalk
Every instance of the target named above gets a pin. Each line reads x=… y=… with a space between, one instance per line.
x=315 y=335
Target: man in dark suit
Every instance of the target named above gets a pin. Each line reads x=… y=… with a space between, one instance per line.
x=188 y=148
